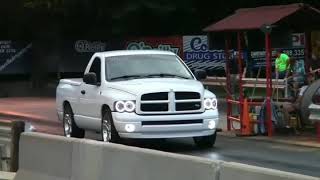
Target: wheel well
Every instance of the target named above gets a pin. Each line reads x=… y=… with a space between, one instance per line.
x=104 y=108
x=66 y=103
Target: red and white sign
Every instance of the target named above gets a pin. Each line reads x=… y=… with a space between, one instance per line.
x=298 y=39
x=173 y=43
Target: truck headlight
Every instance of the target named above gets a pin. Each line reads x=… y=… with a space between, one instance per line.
x=129 y=106
x=210 y=103
x=125 y=106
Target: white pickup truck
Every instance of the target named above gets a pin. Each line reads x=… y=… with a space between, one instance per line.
x=138 y=94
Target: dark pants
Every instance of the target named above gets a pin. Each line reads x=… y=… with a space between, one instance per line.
x=282 y=75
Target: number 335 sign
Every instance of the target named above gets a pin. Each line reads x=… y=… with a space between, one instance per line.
x=298 y=39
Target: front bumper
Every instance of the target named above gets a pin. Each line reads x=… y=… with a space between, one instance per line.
x=165 y=130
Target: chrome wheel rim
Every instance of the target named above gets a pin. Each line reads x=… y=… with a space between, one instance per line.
x=67 y=125
x=106 y=130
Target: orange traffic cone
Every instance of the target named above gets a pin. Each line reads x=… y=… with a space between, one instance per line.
x=246 y=127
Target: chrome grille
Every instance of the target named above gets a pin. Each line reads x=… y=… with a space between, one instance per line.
x=170 y=103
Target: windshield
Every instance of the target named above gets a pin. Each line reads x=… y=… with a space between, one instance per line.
x=145 y=66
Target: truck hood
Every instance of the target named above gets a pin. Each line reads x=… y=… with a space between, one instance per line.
x=142 y=86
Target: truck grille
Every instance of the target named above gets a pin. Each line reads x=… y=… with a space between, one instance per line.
x=170 y=103
x=187 y=95
x=154 y=107
x=155 y=96
x=188 y=106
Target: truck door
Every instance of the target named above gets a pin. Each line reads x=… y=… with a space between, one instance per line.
x=89 y=107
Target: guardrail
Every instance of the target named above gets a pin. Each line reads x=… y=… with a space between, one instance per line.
x=49 y=157
x=10 y=132
x=314 y=112
x=247 y=82
x=315 y=116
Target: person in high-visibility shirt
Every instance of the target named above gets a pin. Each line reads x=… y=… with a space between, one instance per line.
x=282 y=65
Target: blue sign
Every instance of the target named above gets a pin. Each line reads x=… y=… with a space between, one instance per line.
x=14 y=57
x=259 y=57
x=195 y=44
x=209 y=55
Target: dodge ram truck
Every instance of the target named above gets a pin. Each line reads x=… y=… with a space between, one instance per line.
x=139 y=94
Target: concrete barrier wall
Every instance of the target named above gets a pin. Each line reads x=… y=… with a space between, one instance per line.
x=229 y=171
x=44 y=157
x=7 y=175
x=47 y=157
x=96 y=160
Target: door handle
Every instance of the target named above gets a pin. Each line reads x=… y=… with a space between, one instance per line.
x=83 y=92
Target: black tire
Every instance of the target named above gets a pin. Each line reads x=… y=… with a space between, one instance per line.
x=76 y=132
x=205 y=141
x=115 y=138
x=307 y=100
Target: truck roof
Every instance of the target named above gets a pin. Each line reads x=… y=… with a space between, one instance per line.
x=133 y=52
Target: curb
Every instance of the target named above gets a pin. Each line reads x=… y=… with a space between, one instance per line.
x=266 y=139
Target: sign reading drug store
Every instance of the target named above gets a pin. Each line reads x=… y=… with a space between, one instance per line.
x=198 y=56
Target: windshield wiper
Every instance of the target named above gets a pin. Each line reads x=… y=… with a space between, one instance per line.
x=167 y=75
x=127 y=77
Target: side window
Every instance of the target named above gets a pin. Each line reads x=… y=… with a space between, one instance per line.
x=96 y=68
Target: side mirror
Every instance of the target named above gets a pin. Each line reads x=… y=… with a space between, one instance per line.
x=90 y=78
x=200 y=74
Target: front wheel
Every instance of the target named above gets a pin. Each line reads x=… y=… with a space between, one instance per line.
x=69 y=125
x=205 y=141
x=108 y=130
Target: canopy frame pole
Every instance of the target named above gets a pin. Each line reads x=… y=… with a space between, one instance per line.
x=269 y=83
x=239 y=37
x=229 y=96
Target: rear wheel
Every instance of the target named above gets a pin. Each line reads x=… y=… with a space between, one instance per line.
x=108 y=130
x=205 y=141
x=69 y=125
x=307 y=100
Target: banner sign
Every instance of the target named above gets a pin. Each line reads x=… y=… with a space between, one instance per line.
x=197 y=48
x=197 y=55
x=173 y=44
x=14 y=57
x=259 y=57
x=76 y=54
x=84 y=46
x=195 y=44
x=298 y=39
